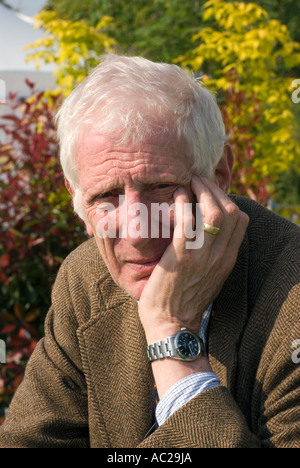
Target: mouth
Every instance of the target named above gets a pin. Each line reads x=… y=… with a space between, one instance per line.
x=144 y=266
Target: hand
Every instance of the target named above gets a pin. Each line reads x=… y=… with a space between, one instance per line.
x=185 y=281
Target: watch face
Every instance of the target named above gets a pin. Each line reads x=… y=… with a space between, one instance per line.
x=187 y=345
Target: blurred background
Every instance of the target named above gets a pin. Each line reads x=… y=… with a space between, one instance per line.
x=248 y=53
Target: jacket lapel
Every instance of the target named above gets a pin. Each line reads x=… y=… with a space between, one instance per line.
x=229 y=317
x=120 y=375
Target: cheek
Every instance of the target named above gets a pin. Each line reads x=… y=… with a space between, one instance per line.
x=104 y=221
x=106 y=248
x=99 y=221
x=92 y=214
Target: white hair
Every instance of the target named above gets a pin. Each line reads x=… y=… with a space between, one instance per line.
x=131 y=99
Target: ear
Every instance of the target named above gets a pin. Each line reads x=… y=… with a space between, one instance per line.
x=89 y=229
x=69 y=188
x=223 y=170
x=72 y=193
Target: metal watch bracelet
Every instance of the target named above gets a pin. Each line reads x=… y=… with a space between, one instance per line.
x=167 y=348
x=161 y=349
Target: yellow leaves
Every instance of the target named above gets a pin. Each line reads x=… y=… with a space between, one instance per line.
x=197 y=62
x=40 y=127
x=104 y=22
x=67 y=82
x=209 y=12
x=74 y=47
x=52 y=198
x=292 y=60
x=245 y=52
x=234 y=15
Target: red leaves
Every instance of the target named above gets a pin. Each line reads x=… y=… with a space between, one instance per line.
x=246 y=180
x=34 y=242
x=4 y=260
x=29 y=83
x=18 y=311
x=8 y=329
x=31 y=316
x=37 y=229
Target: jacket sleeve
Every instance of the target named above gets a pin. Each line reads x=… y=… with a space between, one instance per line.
x=211 y=420
x=49 y=409
x=214 y=420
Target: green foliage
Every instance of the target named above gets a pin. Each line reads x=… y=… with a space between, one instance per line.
x=244 y=51
x=74 y=47
x=286 y=199
x=287 y=11
x=37 y=230
x=77 y=10
x=159 y=30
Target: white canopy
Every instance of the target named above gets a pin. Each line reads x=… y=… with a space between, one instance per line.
x=17 y=31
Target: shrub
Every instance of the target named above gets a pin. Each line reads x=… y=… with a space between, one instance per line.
x=250 y=60
x=37 y=229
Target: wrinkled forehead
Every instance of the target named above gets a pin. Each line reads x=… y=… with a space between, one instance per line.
x=91 y=141
x=101 y=161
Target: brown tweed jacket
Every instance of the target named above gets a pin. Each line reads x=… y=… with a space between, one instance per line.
x=88 y=384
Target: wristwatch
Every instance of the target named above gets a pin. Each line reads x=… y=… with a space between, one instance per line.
x=184 y=345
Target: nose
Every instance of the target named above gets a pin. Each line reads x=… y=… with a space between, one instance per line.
x=134 y=219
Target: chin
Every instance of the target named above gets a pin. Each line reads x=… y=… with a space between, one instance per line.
x=135 y=290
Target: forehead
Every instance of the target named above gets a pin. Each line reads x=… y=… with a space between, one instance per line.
x=100 y=157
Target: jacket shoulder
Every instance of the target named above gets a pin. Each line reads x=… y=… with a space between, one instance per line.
x=84 y=254
x=267 y=228
x=79 y=280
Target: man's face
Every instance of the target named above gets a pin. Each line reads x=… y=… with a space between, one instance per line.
x=145 y=177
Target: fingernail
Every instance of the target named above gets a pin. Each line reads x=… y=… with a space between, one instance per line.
x=179 y=192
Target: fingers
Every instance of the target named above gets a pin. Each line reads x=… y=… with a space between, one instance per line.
x=221 y=212
x=218 y=211
x=183 y=218
x=212 y=211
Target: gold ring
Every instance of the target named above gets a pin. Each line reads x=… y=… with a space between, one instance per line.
x=211 y=229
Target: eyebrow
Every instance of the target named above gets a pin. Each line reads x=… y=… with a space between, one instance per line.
x=116 y=187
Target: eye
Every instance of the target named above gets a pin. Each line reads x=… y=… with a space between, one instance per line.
x=163 y=186
x=105 y=195
x=100 y=197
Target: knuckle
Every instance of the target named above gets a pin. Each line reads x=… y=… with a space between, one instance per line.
x=216 y=218
x=233 y=211
x=244 y=218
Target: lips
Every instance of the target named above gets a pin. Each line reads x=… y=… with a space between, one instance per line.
x=144 y=266
x=143 y=261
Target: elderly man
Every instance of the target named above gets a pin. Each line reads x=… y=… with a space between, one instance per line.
x=212 y=324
